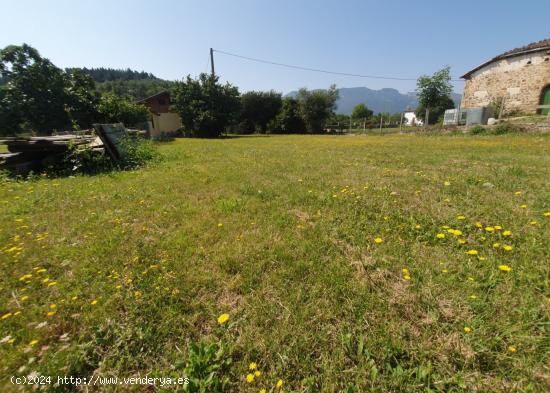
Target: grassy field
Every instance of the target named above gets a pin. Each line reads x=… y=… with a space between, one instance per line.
x=343 y=263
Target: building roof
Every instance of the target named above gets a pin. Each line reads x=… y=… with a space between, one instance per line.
x=532 y=47
x=160 y=93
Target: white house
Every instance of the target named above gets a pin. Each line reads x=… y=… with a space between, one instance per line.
x=410 y=119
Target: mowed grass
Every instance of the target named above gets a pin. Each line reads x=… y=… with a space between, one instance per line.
x=117 y=274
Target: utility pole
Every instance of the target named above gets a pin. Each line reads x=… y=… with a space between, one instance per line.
x=212 y=61
x=381 y=117
x=401 y=123
x=350 y=124
x=426 y=117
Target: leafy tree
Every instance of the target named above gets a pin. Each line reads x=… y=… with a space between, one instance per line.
x=434 y=93
x=103 y=74
x=288 y=120
x=82 y=102
x=136 y=89
x=360 y=111
x=206 y=107
x=316 y=107
x=35 y=89
x=259 y=108
x=114 y=109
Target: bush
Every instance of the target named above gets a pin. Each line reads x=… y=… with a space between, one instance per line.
x=504 y=128
x=477 y=129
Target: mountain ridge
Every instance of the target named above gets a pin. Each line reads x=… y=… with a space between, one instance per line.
x=383 y=100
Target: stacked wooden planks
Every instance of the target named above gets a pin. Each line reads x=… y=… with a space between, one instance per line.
x=33 y=153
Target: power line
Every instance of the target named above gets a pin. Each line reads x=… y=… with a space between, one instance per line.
x=319 y=70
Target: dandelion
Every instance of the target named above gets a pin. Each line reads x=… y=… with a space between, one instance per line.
x=546 y=214
x=417 y=226
x=534 y=222
x=478 y=225
x=496 y=245
x=6 y=315
x=23 y=298
x=504 y=268
x=51 y=313
x=461 y=241
x=489 y=229
x=508 y=248
x=378 y=240
x=471 y=252
x=263 y=391
x=51 y=284
x=473 y=297
x=445 y=271
x=406 y=277
x=257 y=373
x=220 y=225
x=223 y=319
x=440 y=236
x=250 y=378
x=279 y=384
x=512 y=349
x=33 y=343
x=447 y=183
x=252 y=366
x=467 y=329
x=93 y=302
x=523 y=206
x=460 y=217
x=53 y=306
x=482 y=258
x=518 y=193
x=507 y=233
x=16 y=313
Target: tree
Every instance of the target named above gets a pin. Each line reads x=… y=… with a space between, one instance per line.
x=35 y=89
x=82 y=101
x=116 y=109
x=316 y=107
x=288 y=120
x=206 y=107
x=360 y=111
x=259 y=108
x=434 y=94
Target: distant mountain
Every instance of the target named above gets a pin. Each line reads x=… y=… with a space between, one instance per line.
x=383 y=100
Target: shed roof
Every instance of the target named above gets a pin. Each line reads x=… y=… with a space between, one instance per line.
x=160 y=93
x=532 y=47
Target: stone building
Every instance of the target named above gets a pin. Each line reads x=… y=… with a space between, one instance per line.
x=520 y=77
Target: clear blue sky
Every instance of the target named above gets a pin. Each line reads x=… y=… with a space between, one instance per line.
x=172 y=38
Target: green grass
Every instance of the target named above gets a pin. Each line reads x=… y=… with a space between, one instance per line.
x=279 y=233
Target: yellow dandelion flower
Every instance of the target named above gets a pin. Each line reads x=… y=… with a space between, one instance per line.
x=489 y=229
x=6 y=315
x=473 y=297
x=523 y=206
x=223 y=319
x=471 y=252
x=250 y=378
x=517 y=193
x=447 y=183
x=252 y=366
x=378 y=240
x=33 y=343
x=534 y=222
x=496 y=245
x=467 y=329
x=53 y=306
x=507 y=233
x=257 y=373
x=51 y=313
x=417 y=226
x=504 y=268
x=93 y=302
x=440 y=236
x=279 y=384
x=23 y=298
x=263 y=391
x=512 y=349
x=461 y=241
x=445 y=271
x=479 y=225
x=220 y=225
x=406 y=277
x=508 y=248
x=482 y=258
x=460 y=217
x=546 y=214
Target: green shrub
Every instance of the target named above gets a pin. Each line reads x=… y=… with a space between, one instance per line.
x=504 y=128
x=477 y=129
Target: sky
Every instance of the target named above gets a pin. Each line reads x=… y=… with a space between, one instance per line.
x=171 y=39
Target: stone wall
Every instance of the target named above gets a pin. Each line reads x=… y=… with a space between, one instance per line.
x=519 y=79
